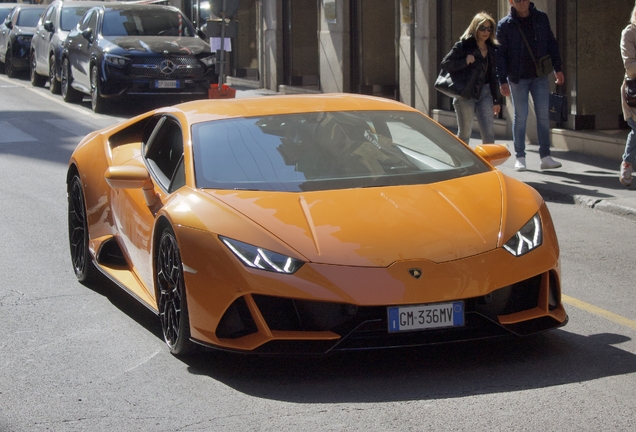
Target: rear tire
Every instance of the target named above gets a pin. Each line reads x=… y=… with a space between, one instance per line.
x=36 y=80
x=82 y=261
x=69 y=94
x=54 y=83
x=171 y=293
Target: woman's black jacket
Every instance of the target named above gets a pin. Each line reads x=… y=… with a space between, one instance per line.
x=473 y=74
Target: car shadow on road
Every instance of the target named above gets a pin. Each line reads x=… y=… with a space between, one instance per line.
x=444 y=371
x=127 y=304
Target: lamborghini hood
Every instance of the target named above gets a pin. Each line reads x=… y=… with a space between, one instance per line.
x=378 y=226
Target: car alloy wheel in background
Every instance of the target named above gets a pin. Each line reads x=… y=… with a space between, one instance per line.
x=54 y=83
x=8 y=64
x=69 y=94
x=36 y=80
x=98 y=103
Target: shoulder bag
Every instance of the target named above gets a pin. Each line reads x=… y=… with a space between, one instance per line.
x=630 y=91
x=544 y=64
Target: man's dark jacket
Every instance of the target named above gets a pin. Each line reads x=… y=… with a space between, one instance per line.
x=512 y=47
x=473 y=74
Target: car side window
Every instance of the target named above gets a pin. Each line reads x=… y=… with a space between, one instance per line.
x=164 y=154
x=92 y=22
x=85 y=21
x=47 y=15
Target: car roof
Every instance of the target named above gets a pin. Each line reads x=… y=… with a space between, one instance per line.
x=30 y=6
x=76 y=3
x=216 y=109
x=136 y=6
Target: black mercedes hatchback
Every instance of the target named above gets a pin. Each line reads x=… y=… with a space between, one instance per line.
x=134 y=49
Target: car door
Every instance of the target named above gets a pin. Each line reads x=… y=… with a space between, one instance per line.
x=162 y=153
x=80 y=48
x=42 y=37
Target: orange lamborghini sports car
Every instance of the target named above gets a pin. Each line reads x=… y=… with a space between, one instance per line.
x=311 y=224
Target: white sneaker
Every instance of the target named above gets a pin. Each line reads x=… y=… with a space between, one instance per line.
x=626 y=173
x=520 y=164
x=549 y=163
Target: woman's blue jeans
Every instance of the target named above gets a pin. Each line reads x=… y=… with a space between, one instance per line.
x=630 y=145
x=466 y=109
x=540 y=91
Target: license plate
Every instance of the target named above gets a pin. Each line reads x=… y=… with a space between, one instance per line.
x=426 y=316
x=167 y=84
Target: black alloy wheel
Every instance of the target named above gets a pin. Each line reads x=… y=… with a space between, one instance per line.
x=98 y=103
x=54 y=83
x=173 y=308
x=8 y=64
x=69 y=94
x=36 y=80
x=83 y=266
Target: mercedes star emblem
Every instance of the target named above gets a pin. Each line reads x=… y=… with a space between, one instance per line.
x=167 y=67
x=416 y=273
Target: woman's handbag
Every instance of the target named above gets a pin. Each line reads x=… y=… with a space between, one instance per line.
x=456 y=84
x=445 y=84
x=630 y=92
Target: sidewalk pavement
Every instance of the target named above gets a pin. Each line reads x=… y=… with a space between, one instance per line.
x=591 y=181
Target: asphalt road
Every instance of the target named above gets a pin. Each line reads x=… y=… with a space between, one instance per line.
x=80 y=359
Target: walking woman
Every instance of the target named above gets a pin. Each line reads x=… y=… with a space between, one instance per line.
x=474 y=56
x=628 y=52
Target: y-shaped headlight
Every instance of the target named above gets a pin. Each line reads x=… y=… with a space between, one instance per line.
x=262 y=259
x=527 y=238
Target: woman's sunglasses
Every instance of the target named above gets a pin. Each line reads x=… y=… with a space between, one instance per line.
x=484 y=28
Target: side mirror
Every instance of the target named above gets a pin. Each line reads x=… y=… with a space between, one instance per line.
x=132 y=177
x=88 y=34
x=8 y=24
x=494 y=154
x=48 y=26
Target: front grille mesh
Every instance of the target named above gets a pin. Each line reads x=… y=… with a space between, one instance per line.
x=154 y=67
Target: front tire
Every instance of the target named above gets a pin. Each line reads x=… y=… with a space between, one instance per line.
x=54 y=84
x=69 y=94
x=8 y=64
x=98 y=103
x=173 y=307
x=36 y=80
x=83 y=265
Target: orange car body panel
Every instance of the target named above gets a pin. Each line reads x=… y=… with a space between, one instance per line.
x=340 y=234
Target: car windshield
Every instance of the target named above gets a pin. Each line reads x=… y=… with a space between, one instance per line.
x=145 y=22
x=71 y=16
x=29 y=17
x=328 y=150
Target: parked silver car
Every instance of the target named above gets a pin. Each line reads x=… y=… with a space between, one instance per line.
x=58 y=19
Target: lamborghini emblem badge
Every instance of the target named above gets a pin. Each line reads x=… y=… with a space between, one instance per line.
x=416 y=273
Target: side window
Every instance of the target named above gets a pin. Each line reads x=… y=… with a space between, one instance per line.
x=84 y=24
x=164 y=154
x=46 y=16
x=92 y=22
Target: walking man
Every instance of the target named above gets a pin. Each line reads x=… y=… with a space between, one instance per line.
x=527 y=47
